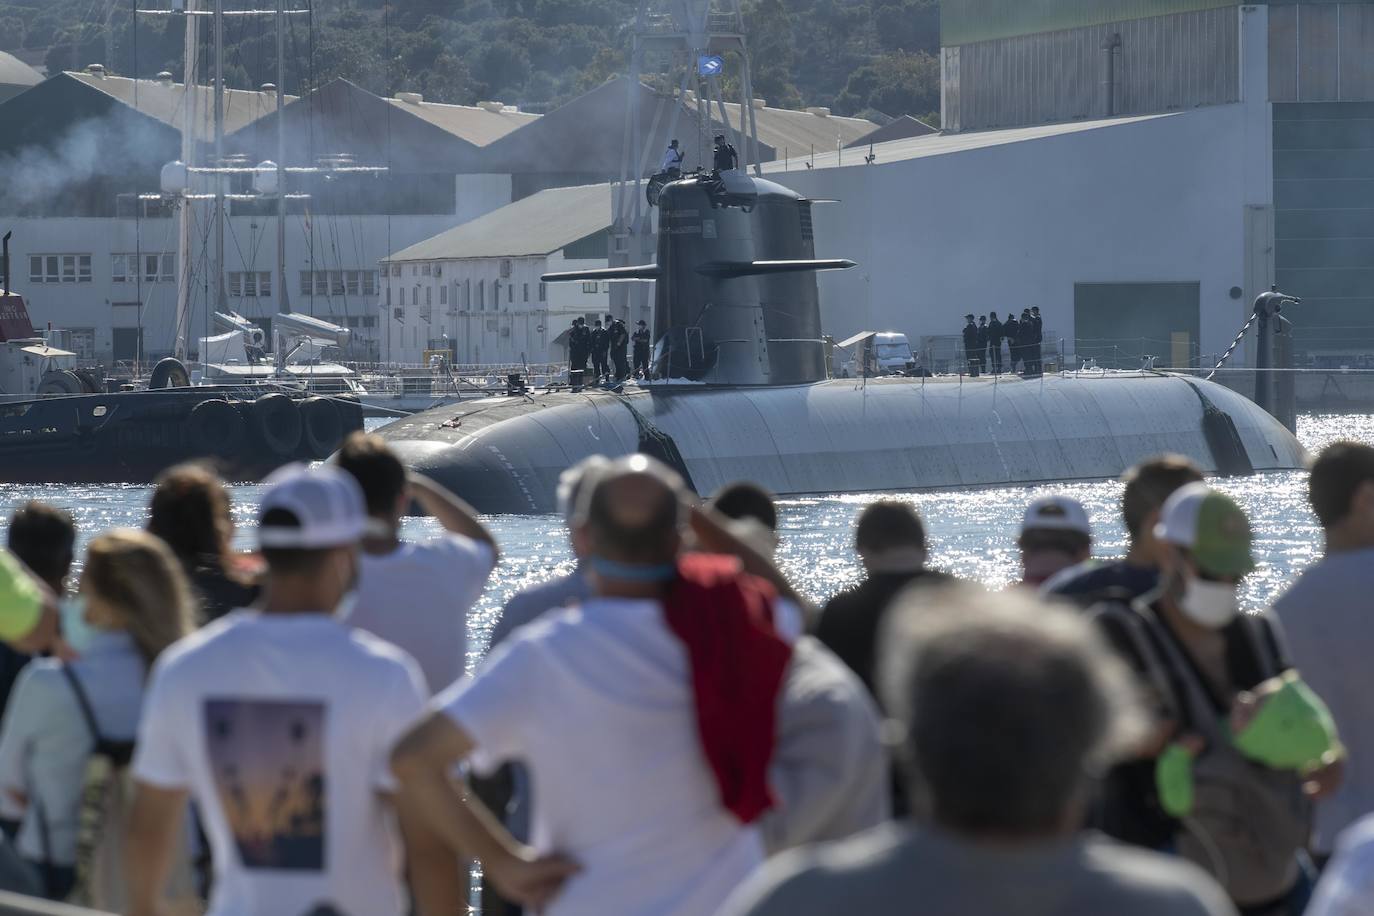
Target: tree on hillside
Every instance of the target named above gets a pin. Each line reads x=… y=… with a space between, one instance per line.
x=895 y=84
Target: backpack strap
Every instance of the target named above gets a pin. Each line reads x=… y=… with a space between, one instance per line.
x=121 y=753
x=87 y=712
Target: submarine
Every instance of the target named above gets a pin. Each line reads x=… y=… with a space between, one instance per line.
x=740 y=390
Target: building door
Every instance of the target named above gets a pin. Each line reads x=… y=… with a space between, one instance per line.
x=1119 y=323
x=128 y=344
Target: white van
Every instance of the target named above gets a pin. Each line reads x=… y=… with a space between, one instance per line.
x=883 y=352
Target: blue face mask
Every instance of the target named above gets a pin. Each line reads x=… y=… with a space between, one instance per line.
x=79 y=634
x=626 y=572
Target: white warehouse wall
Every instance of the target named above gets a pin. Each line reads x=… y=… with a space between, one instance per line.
x=510 y=331
x=325 y=244
x=1006 y=226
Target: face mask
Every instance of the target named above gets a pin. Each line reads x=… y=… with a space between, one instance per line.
x=79 y=634
x=1209 y=604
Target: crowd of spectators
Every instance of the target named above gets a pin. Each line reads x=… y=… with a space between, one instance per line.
x=670 y=728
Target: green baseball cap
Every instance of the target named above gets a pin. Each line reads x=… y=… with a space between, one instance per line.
x=1212 y=528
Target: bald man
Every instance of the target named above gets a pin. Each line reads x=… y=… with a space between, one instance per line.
x=600 y=702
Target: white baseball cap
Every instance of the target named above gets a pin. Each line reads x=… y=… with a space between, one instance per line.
x=1056 y=513
x=326 y=502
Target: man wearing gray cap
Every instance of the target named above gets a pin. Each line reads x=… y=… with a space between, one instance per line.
x=278 y=722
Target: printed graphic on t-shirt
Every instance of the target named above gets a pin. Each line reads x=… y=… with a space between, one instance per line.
x=267 y=757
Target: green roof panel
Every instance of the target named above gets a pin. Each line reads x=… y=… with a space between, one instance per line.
x=964 y=22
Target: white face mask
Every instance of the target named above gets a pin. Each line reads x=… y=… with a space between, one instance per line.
x=1209 y=604
x=75 y=630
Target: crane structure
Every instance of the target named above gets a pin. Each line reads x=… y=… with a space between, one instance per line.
x=690 y=45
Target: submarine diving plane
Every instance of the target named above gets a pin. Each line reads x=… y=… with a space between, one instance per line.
x=741 y=391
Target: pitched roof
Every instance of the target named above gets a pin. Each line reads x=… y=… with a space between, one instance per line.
x=475 y=124
x=587 y=134
x=14 y=72
x=902 y=128
x=537 y=225
x=942 y=144
x=165 y=102
x=793 y=133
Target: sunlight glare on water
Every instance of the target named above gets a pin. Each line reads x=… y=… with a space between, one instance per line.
x=972 y=532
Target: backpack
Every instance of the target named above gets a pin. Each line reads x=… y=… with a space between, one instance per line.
x=1248 y=821
x=102 y=825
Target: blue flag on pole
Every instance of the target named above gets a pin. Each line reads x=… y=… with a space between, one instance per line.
x=710 y=65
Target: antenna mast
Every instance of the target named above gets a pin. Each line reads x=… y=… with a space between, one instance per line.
x=682 y=35
x=186 y=240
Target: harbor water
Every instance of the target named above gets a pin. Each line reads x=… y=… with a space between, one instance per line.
x=972 y=532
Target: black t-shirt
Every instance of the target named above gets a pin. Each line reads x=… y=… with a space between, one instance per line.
x=851 y=620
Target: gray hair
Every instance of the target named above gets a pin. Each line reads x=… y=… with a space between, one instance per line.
x=571 y=482
x=659 y=510
x=1009 y=704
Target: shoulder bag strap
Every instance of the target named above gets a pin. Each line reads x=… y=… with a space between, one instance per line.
x=87 y=712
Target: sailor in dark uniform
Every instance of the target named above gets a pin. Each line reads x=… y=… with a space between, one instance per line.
x=726 y=158
x=640 y=338
x=1012 y=328
x=601 y=343
x=1024 y=336
x=982 y=343
x=995 y=335
x=972 y=347
x=579 y=345
x=618 y=339
x=1037 y=343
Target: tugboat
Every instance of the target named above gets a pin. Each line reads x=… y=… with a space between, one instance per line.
x=61 y=424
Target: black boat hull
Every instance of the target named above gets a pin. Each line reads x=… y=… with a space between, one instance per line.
x=132 y=436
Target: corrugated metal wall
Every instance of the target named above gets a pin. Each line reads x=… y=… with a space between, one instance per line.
x=1321 y=79
x=1164 y=63
x=1324 y=221
x=1321 y=52
x=964 y=22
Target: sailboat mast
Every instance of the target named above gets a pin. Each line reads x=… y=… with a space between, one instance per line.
x=185 y=240
x=221 y=297
x=284 y=301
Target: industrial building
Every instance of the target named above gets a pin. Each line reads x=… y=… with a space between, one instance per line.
x=91 y=256
x=1139 y=169
x=475 y=290
x=1282 y=92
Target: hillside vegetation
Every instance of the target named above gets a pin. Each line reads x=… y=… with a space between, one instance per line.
x=854 y=56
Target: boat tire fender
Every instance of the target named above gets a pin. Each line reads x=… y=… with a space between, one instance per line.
x=169 y=372
x=278 y=423
x=321 y=427
x=61 y=381
x=214 y=428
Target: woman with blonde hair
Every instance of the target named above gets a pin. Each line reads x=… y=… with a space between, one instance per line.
x=68 y=730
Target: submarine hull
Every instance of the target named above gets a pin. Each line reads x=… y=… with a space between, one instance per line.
x=504 y=455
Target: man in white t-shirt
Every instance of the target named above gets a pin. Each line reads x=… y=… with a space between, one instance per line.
x=278 y=723
x=416 y=595
x=632 y=816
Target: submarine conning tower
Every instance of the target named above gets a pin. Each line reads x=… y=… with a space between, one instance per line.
x=735 y=300
x=722 y=316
